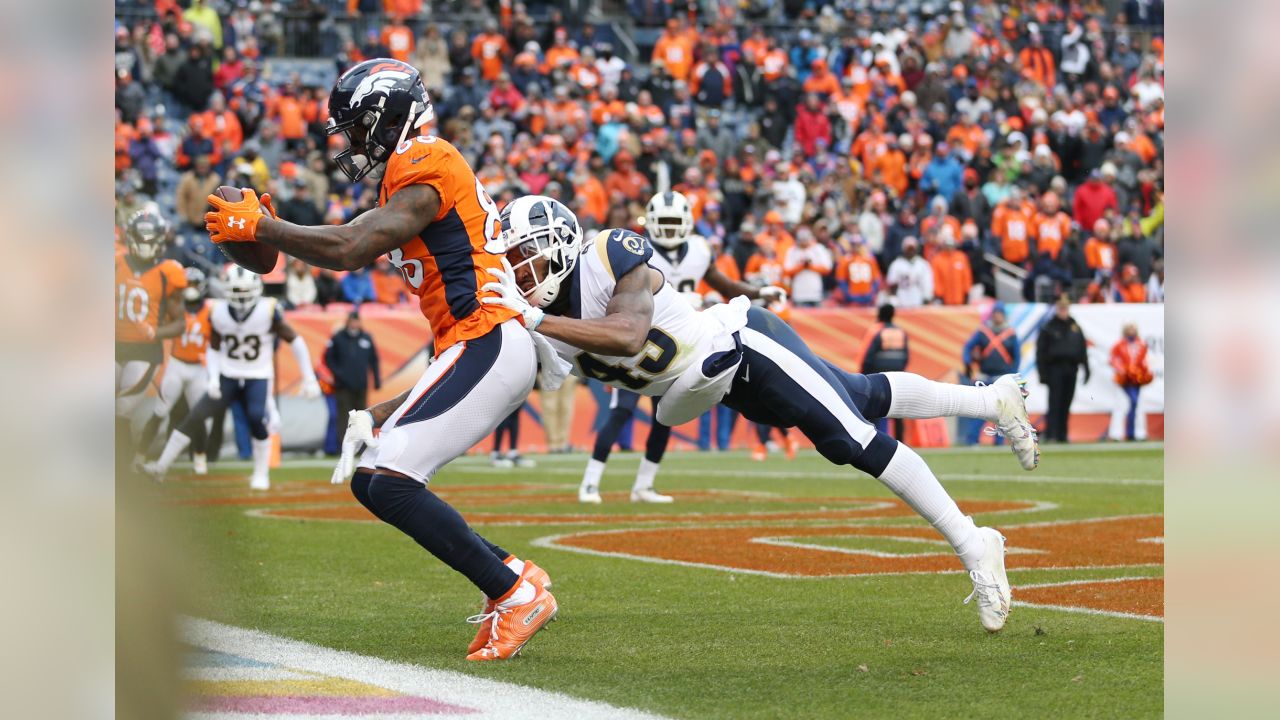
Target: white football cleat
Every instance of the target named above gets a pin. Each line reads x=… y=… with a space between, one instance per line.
x=649 y=495
x=154 y=471
x=521 y=461
x=200 y=463
x=499 y=461
x=1013 y=422
x=589 y=494
x=991 y=583
x=259 y=482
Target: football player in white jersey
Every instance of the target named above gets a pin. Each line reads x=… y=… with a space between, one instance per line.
x=240 y=368
x=621 y=323
x=684 y=259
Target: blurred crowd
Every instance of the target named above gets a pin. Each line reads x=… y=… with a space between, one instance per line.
x=858 y=151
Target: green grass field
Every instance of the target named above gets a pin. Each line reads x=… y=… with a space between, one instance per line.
x=708 y=642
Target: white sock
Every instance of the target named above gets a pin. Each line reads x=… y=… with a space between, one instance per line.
x=595 y=470
x=516 y=565
x=261 y=456
x=173 y=447
x=910 y=478
x=645 y=475
x=523 y=594
x=917 y=397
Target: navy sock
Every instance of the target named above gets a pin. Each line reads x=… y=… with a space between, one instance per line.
x=436 y=526
x=608 y=434
x=656 y=445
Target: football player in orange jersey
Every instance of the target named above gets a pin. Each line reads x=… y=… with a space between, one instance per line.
x=434 y=221
x=147 y=310
x=185 y=376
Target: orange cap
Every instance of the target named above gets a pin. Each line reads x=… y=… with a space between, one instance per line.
x=773 y=216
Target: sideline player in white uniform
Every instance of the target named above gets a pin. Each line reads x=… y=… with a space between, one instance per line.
x=621 y=323
x=684 y=259
x=240 y=369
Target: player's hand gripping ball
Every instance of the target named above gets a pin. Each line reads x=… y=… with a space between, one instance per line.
x=233 y=225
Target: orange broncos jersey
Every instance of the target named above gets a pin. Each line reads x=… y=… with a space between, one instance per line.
x=446 y=264
x=139 y=296
x=189 y=346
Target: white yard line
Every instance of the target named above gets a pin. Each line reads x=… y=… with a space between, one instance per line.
x=491 y=698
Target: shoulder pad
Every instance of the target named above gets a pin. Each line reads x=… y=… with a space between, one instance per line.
x=621 y=251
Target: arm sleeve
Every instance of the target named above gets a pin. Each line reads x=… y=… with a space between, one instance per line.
x=300 y=353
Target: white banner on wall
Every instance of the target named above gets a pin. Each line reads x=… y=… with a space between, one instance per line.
x=1102 y=325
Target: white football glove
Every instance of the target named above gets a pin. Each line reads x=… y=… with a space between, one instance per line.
x=509 y=296
x=773 y=293
x=359 y=436
x=214 y=388
x=310 y=389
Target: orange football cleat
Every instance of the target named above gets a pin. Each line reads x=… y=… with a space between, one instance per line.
x=792 y=446
x=513 y=627
x=759 y=453
x=533 y=574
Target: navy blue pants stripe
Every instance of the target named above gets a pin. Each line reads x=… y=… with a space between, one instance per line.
x=458 y=381
x=767 y=393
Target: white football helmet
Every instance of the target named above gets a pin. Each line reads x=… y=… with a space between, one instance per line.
x=533 y=227
x=196 y=285
x=669 y=219
x=243 y=287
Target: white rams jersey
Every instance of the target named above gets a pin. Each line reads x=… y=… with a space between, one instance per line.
x=247 y=346
x=677 y=338
x=685 y=266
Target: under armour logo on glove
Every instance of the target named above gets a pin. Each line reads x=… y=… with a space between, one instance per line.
x=236 y=221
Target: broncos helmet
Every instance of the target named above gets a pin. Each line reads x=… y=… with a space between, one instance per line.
x=533 y=227
x=669 y=219
x=145 y=234
x=197 y=285
x=242 y=287
x=374 y=104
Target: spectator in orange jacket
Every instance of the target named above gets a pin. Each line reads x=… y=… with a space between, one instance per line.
x=822 y=81
x=1051 y=226
x=952 y=275
x=1100 y=251
x=675 y=50
x=858 y=276
x=1129 y=287
x=490 y=50
x=1129 y=360
x=892 y=166
x=1011 y=223
x=398 y=38
x=1037 y=62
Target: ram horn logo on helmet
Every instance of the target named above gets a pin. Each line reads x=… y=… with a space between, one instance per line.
x=382 y=80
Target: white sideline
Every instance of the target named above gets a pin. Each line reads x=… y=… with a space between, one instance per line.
x=494 y=699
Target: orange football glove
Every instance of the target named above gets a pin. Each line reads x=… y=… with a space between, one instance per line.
x=234 y=221
x=268 y=207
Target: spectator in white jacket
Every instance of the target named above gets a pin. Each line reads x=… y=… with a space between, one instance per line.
x=299 y=284
x=806 y=264
x=910 y=278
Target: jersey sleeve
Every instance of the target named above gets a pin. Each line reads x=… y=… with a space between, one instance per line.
x=425 y=160
x=622 y=251
x=175 y=277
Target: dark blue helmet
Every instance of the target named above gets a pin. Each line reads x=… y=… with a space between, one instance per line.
x=375 y=104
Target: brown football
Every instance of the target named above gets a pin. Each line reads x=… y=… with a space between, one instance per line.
x=258 y=257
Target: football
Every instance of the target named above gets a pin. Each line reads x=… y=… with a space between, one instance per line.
x=258 y=257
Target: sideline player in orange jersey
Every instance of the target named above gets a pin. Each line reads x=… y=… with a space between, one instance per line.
x=147 y=311
x=434 y=221
x=184 y=375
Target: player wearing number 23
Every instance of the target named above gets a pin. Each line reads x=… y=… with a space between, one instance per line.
x=434 y=221
x=240 y=369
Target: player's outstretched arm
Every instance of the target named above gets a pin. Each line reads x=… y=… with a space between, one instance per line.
x=624 y=328
x=301 y=354
x=383 y=410
x=172 y=321
x=357 y=243
x=730 y=288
